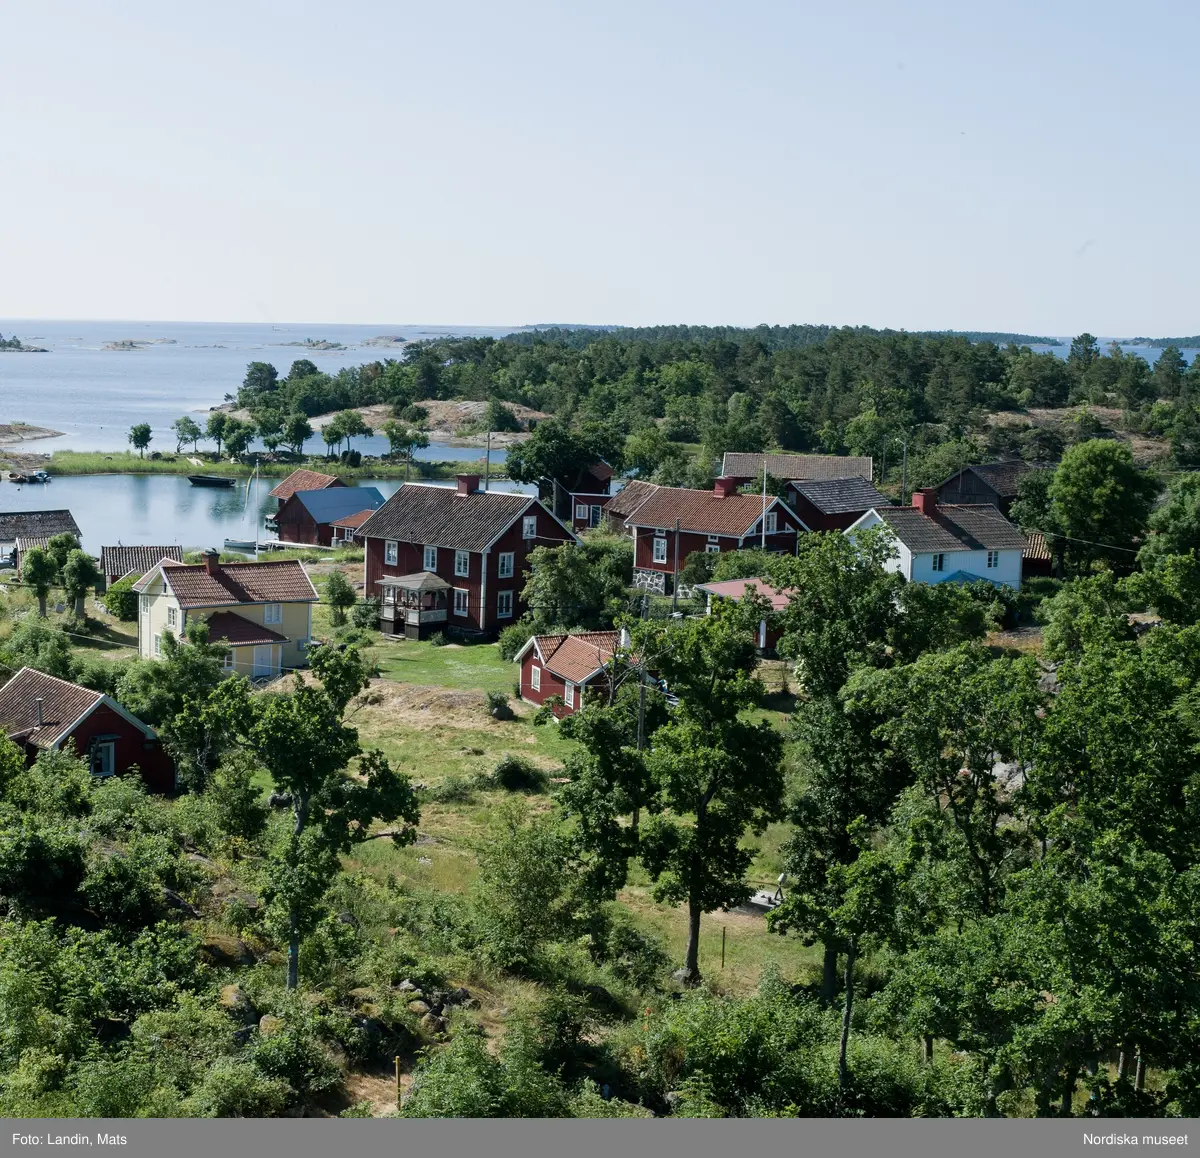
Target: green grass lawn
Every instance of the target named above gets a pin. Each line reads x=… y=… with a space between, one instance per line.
x=465 y=666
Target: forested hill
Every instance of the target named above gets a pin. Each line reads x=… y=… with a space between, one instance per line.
x=1192 y=342
x=771 y=337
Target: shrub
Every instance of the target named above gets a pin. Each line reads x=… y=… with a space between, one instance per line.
x=517 y=774
x=237 y=804
x=438 y=639
x=296 y=1057
x=121 y=600
x=235 y=1089
x=366 y=614
x=498 y=707
x=513 y=638
x=454 y=789
x=545 y=714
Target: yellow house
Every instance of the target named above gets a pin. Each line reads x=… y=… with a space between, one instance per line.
x=263 y=611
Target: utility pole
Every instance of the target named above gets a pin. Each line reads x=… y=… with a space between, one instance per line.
x=487 y=462
x=763 y=542
x=904 y=470
x=675 y=581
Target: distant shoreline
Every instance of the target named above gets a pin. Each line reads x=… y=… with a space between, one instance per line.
x=16 y=433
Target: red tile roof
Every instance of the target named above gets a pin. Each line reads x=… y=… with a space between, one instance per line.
x=63 y=704
x=700 y=511
x=283 y=582
x=575 y=657
x=237 y=631
x=353 y=521
x=1037 y=547
x=735 y=589
x=304 y=480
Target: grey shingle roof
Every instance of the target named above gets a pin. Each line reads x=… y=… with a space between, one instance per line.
x=953 y=528
x=791 y=466
x=1002 y=477
x=119 y=561
x=630 y=497
x=837 y=496
x=34 y=523
x=441 y=517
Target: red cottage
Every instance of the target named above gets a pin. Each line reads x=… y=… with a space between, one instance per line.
x=567 y=666
x=453 y=558
x=833 y=504
x=587 y=510
x=304 y=480
x=311 y=516
x=40 y=712
x=674 y=522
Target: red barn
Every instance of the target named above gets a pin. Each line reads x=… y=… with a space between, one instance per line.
x=833 y=504
x=312 y=516
x=674 y=522
x=303 y=480
x=40 y=712
x=476 y=542
x=567 y=666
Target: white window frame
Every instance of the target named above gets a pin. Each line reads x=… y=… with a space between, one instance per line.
x=429 y=559
x=172 y=616
x=535 y=678
x=569 y=694
x=272 y=613
x=772 y=522
x=157 y=644
x=462 y=564
x=504 y=604
x=391 y=553
x=712 y=548
x=658 y=550
x=505 y=568
x=938 y=562
x=227 y=660
x=993 y=559
x=466 y=601
x=529 y=527
x=581 y=511
x=104 y=754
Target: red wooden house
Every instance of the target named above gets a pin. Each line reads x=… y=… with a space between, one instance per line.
x=566 y=666
x=674 y=522
x=39 y=712
x=471 y=544
x=304 y=480
x=313 y=516
x=833 y=504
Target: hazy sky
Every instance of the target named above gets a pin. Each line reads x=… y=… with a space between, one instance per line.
x=1014 y=165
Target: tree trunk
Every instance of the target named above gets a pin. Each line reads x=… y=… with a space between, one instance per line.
x=80 y=599
x=1121 y=1065
x=1139 y=1073
x=829 y=964
x=293 y=961
x=1066 y=1108
x=41 y=605
x=690 y=973
x=847 y=1012
x=927 y=1049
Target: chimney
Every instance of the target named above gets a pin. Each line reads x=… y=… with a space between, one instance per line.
x=212 y=561
x=925 y=500
x=41 y=715
x=725 y=486
x=624 y=641
x=468 y=484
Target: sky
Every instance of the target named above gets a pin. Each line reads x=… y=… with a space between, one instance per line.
x=1023 y=166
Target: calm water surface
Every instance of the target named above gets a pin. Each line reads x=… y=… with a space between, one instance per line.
x=128 y=509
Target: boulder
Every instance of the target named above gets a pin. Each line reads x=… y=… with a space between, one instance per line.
x=459 y=996
x=174 y=901
x=347 y=918
x=216 y=949
x=431 y=1023
x=243 y=1034
x=419 y=1008
x=280 y=800
x=233 y=1000
x=361 y=995
x=268 y=1024
x=407 y=986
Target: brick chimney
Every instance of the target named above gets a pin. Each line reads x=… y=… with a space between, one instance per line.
x=40 y=704
x=725 y=486
x=925 y=500
x=468 y=484
x=212 y=561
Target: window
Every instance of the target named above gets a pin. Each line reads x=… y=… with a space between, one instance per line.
x=529 y=527
x=227 y=662
x=772 y=522
x=158 y=645
x=462 y=563
x=712 y=548
x=535 y=678
x=172 y=616
x=460 y=600
x=506 y=565
x=273 y=613
x=581 y=511
x=104 y=758
x=594 y=516
x=391 y=553
x=939 y=562
x=430 y=559
x=660 y=550
x=993 y=559
x=504 y=604
x=569 y=695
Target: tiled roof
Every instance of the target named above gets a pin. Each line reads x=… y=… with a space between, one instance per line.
x=839 y=496
x=575 y=657
x=1037 y=547
x=48 y=523
x=790 y=466
x=28 y=542
x=120 y=561
x=234 y=583
x=979 y=527
x=237 y=631
x=336 y=502
x=701 y=511
x=1002 y=477
x=735 y=588
x=630 y=497
x=303 y=480
x=62 y=704
x=354 y=521
x=441 y=517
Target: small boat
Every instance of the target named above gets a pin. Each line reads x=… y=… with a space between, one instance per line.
x=17 y=477
x=211 y=480
x=38 y=476
x=241 y=544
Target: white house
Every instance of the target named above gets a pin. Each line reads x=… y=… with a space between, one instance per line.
x=942 y=542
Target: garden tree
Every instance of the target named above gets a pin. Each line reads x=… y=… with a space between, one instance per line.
x=555 y=451
x=404 y=439
x=1175 y=523
x=349 y=424
x=139 y=435
x=646 y=449
x=713 y=775
x=340 y=596
x=343 y=673
x=79 y=576
x=236 y=800
x=1169 y=369
x=697 y=568
x=579 y=585
x=300 y=738
x=156 y=690
x=60 y=547
x=1101 y=501
x=331 y=435
x=37 y=644
x=186 y=430
x=749 y=563
x=215 y=428
x=1171 y=588
x=1090 y=610
x=238 y=436
x=207 y=727
x=297 y=430
x=39 y=571
x=499 y=417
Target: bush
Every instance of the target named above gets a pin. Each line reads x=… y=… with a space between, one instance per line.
x=235 y=1089
x=454 y=789
x=121 y=600
x=438 y=639
x=35 y=643
x=296 y=1057
x=366 y=614
x=517 y=774
x=237 y=805
x=513 y=638
x=498 y=707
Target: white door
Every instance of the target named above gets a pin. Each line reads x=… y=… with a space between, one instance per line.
x=264 y=660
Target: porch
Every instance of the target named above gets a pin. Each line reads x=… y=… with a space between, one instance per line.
x=415 y=606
